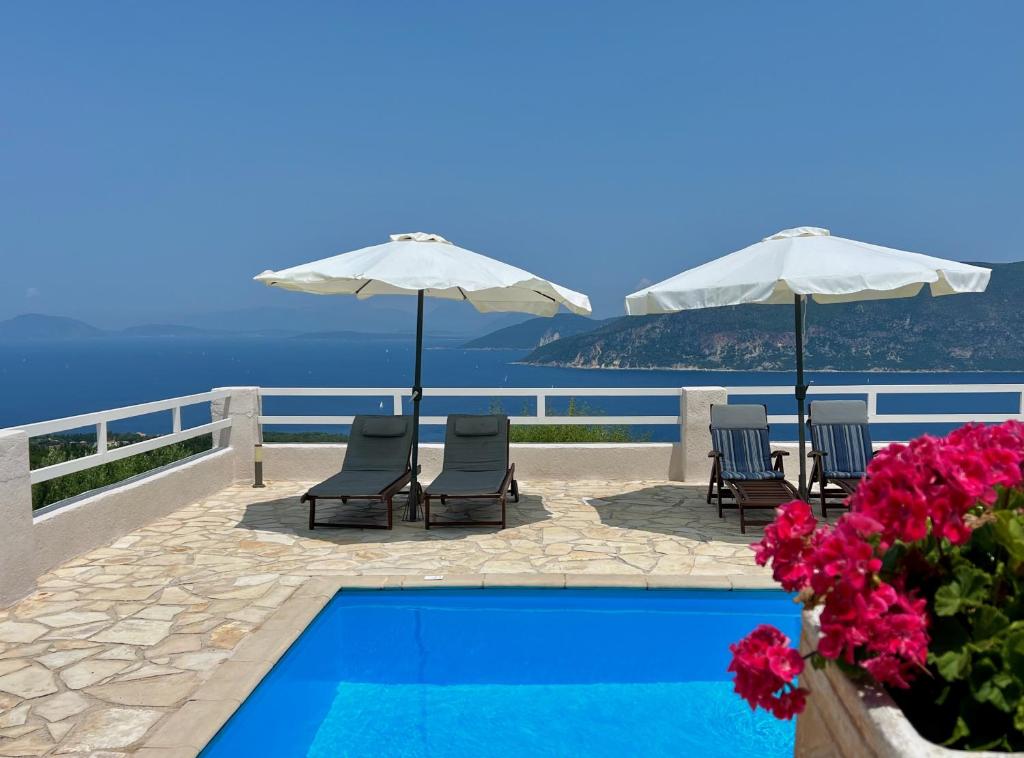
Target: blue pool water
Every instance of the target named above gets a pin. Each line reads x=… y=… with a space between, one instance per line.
x=515 y=672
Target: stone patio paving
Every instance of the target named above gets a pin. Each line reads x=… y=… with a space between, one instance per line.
x=114 y=641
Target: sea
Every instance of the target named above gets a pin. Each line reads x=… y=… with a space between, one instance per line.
x=47 y=380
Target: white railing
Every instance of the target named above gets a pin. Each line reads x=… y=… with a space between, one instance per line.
x=398 y=395
x=871 y=392
x=101 y=419
x=540 y=394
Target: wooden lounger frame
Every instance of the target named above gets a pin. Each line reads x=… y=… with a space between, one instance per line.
x=384 y=496
x=752 y=494
x=508 y=486
x=831 y=491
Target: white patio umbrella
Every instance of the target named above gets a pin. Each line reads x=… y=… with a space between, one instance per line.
x=427 y=265
x=794 y=264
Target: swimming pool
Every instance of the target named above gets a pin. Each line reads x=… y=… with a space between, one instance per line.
x=514 y=672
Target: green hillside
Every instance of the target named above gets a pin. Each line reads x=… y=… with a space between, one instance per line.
x=983 y=332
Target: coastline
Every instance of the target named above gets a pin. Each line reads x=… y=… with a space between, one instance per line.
x=771 y=370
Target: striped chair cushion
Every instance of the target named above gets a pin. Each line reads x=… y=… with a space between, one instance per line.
x=847 y=448
x=745 y=453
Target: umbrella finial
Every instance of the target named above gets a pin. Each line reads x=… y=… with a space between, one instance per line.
x=799 y=231
x=418 y=237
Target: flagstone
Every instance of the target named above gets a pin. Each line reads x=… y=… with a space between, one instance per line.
x=59 y=729
x=160 y=612
x=62 y=658
x=90 y=672
x=21 y=631
x=135 y=631
x=33 y=744
x=163 y=691
x=14 y=717
x=60 y=707
x=30 y=682
x=109 y=729
x=72 y=618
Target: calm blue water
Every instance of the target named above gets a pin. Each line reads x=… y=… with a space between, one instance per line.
x=50 y=380
x=515 y=672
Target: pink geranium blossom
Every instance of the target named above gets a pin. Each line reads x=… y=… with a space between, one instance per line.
x=930 y=488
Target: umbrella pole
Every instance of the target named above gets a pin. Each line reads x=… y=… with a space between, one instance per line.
x=801 y=394
x=412 y=510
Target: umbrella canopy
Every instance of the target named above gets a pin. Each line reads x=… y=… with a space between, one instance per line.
x=411 y=263
x=808 y=261
x=427 y=265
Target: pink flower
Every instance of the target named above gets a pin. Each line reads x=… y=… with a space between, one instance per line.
x=764 y=666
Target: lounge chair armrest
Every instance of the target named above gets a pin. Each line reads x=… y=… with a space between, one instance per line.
x=714 y=454
x=779 y=453
x=817 y=454
x=777 y=456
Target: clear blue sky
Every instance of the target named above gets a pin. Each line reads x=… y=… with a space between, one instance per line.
x=154 y=156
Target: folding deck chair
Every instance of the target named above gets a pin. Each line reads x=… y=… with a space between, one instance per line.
x=744 y=468
x=840 y=448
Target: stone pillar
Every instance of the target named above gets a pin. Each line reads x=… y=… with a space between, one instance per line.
x=695 y=416
x=242 y=406
x=17 y=539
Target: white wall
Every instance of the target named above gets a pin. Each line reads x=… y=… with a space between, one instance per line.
x=613 y=461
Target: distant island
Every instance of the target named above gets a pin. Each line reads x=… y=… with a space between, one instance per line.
x=976 y=332
x=38 y=327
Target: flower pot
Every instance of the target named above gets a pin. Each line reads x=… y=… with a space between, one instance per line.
x=855 y=720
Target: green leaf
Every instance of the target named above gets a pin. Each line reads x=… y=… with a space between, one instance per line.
x=987 y=622
x=960 y=731
x=1009 y=528
x=968 y=589
x=1013 y=650
x=953 y=665
x=1018 y=717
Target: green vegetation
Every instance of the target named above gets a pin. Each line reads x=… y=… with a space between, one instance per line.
x=54 y=449
x=571 y=433
x=307 y=437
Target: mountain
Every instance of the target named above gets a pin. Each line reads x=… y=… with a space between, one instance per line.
x=983 y=331
x=535 y=333
x=36 y=326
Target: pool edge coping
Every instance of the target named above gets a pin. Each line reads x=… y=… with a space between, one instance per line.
x=188 y=730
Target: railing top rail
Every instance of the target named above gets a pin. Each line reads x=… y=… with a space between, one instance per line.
x=470 y=391
x=879 y=389
x=115 y=414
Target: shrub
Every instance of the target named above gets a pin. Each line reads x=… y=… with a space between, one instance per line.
x=920 y=586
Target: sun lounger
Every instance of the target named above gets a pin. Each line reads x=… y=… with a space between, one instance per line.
x=476 y=467
x=841 y=449
x=375 y=469
x=744 y=468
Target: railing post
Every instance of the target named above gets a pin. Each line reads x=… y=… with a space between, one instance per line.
x=542 y=407
x=694 y=433
x=396 y=404
x=17 y=540
x=242 y=407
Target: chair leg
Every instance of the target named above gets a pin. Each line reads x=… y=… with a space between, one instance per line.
x=743 y=520
x=312 y=513
x=502 y=511
x=720 y=500
x=390 y=504
x=515 y=491
x=711 y=484
x=426 y=511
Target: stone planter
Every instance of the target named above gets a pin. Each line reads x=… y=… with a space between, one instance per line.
x=855 y=721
